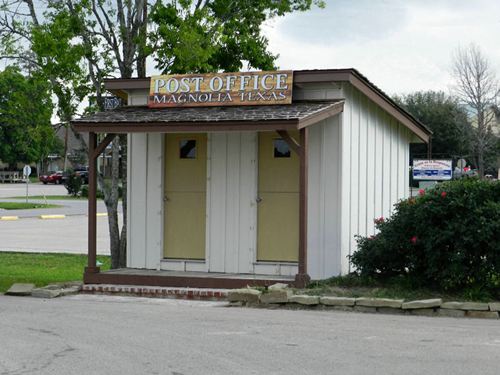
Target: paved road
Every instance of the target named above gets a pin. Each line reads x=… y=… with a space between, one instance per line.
x=17 y=190
x=119 y=335
x=67 y=235
x=31 y=234
x=68 y=207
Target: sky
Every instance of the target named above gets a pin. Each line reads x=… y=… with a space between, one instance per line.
x=400 y=45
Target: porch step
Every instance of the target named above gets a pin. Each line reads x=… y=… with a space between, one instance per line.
x=157 y=292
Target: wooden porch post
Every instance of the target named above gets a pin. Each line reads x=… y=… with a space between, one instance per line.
x=92 y=211
x=302 y=278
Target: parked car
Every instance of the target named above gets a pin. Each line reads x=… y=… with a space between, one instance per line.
x=83 y=173
x=53 y=178
x=467 y=172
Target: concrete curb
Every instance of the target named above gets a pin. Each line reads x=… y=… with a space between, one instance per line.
x=46 y=217
x=9 y=218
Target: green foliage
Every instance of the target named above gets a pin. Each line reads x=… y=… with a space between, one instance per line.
x=25 y=206
x=85 y=192
x=445 y=239
x=73 y=183
x=445 y=117
x=60 y=57
x=216 y=35
x=26 y=134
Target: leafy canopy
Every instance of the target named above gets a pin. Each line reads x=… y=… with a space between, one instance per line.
x=26 y=134
x=445 y=117
x=209 y=36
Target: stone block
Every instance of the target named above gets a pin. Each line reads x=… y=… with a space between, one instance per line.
x=422 y=304
x=482 y=314
x=423 y=312
x=45 y=293
x=494 y=306
x=379 y=302
x=337 y=301
x=244 y=295
x=341 y=308
x=20 y=289
x=275 y=296
x=476 y=306
x=70 y=290
x=451 y=313
x=53 y=286
x=392 y=311
x=278 y=286
x=304 y=299
x=365 y=309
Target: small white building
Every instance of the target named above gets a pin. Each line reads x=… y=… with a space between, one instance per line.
x=221 y=194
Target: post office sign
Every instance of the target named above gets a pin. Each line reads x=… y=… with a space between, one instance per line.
x=221 y=89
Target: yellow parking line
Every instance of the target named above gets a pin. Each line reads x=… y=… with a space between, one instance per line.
x=9 y=218
x=52 y=216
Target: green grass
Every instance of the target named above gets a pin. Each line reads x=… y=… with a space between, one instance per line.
x=25 y=206
x=42 y=269
x=52 y=197
x=355 y=286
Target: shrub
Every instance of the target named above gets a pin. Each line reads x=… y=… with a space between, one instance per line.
x=446 y=238
x=73 y=183
x=85 y=192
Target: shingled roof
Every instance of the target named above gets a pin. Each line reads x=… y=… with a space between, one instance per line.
x=270 y=117
x=120 y=86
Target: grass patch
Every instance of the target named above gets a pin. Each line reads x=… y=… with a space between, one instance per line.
x=356 y=286
x=42 y=269
x=25 y=206
x=52 y=197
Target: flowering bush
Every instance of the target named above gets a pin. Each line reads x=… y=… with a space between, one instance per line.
x=446 y=238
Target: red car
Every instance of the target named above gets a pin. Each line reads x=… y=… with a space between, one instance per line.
x=54 y=178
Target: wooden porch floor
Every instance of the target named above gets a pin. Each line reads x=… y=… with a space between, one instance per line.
x=132 y=276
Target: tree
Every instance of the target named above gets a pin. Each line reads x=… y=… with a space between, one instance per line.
x=89 y=40
x=478 y=89
x=446 y=118
x=26 y=134
x=208 y=36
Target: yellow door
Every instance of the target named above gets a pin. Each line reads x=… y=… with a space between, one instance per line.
x=185 y=195
x=278 y=207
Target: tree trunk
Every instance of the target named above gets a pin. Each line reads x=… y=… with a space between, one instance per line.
x=111 y=201
x=123 y=236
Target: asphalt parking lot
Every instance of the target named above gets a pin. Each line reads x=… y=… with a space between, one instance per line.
x=32 y=234
x=121 y=335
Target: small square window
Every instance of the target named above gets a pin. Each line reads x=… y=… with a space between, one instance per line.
x=281 y=149
x=187 y=149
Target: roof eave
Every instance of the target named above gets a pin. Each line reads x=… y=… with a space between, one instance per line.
x=121 y=86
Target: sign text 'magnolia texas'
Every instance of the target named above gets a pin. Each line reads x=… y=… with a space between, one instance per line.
x=217 y=89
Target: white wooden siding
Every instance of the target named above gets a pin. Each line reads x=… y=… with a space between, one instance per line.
x=374 y=168
x=231 y=206
x=323 y=240
x=145 y=216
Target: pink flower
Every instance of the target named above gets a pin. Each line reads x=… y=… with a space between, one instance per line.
x=380 y=220
x=421 y=192
x=443 y=194
x=413 y=240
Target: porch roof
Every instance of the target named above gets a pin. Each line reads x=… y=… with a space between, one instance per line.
x=131 y=119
